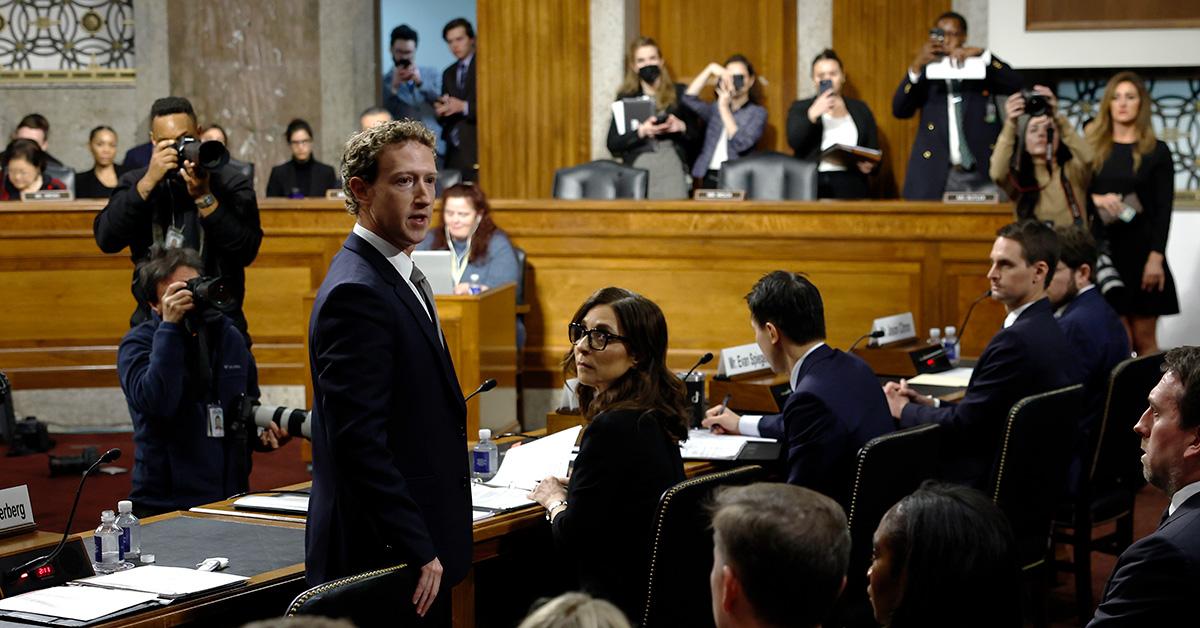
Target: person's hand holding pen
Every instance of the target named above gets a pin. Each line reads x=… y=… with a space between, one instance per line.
x=720 y=419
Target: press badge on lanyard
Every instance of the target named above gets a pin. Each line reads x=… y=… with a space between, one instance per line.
x=174 y=239
x=216 y=421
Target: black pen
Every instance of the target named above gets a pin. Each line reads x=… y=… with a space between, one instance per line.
x=725 y=401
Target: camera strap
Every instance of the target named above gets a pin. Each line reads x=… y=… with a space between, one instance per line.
x=1072 y=202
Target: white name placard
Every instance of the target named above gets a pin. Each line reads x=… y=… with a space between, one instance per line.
x=742 y=359
x=895 y=328
x=15 y=511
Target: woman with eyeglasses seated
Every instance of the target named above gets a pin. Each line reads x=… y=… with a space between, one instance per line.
x=629 y=454
x=25 y=170
x=944 y=556
x=301 y=176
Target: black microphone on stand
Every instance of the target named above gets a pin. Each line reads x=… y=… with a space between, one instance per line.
x=487 y=385
x=704 y=359
x=24 y=570
x=875 y=333
x=962 y=329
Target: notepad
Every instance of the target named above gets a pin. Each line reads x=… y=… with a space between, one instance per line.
x=168 y=582
x=954 y=378
x=523 y=467
x=289 y=503
x=971 y=68
x=704 y=445
x=498 y=498
x=82 y=604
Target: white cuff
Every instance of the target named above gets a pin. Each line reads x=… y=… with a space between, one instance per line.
x=748 y=424
x=937 y=403
x=987 y=57
x=913 y=78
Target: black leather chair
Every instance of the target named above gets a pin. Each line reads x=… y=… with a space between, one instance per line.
x=601 y=179
x=1028 y=477
x=771 y=176
x=366 y=599
x=677 y=589
x=447 y=177
x=1113 y=478
x=890 y=467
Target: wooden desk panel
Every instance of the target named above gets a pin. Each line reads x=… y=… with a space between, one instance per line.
x=696 y=260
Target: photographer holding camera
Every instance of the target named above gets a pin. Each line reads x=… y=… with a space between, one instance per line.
x=187 y=197
x=1041 y=161
x=410 y=90
x=184 y=372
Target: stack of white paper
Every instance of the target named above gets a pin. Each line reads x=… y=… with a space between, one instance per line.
x=77 y=603
x=955 y=378
x=169 y=582
x=705 y=445
x=497 y=498
x=523 y=467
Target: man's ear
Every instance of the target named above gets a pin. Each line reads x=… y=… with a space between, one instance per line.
x=361 y=191
x=1040 y=270
x=772 y=332
x=1085 y=273
x=1192 y=452
x=731 y=589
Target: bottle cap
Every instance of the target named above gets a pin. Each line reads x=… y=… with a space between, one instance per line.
x=935 y=332
x=485 y=434
x=124 y=506
x=474 y=277
x=147 y=559
x=107 y=517
x=951 y=330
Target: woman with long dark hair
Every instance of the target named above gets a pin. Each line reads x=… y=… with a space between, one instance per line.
x=629 y=453
x=1042 y=163
x=1133 y=192
x=944 y=557
x=101 y=180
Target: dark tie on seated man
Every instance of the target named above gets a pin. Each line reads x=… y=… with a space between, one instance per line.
x=1030 y=355
x=780 y=554
x=1157 y=580
x=835 y=406
x=1092 y=327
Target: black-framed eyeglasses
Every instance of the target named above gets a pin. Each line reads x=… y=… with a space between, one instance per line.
x=598 y=339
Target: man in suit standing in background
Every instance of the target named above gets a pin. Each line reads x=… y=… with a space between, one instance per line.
x=959 y=118
x=456 y=108
x=410 y=90
x=835 y=406
x=1030 y=355
x=1157 y=580
x=390 y=477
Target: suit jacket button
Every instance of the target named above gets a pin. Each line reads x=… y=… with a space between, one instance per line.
x=930 y=126
x=927 y=154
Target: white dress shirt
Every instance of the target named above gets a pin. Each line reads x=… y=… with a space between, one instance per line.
x=955 y=153
x=1015 y=314
x=1181 y=496
x=748 y=424
x=397 y=258
x=836 y=131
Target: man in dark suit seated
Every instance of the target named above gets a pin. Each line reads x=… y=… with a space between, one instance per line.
x=390 y=478
x=960 y=119
x=835 y=406
x=779 y=556
x=1157 y=580
x=1093 y=329
x=1029 y=356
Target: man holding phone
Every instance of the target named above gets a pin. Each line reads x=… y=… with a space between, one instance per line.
x=410 y=90
x=960 y=119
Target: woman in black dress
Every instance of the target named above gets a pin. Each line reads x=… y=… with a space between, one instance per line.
x=303 y=175
x=100 y=181
x=1133 y=193
x=601 y=518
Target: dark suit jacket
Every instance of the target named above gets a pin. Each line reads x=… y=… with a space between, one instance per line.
x=804 y=136
x=1030 y=357
x=284 y=180
x=1157 y=580
x=929 y=161
x=836 y=408
x=626 y=460
x=1100 y=344
x=465 y=156
x=390 y=475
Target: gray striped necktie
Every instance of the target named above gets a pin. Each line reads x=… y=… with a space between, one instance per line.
x=422 y=284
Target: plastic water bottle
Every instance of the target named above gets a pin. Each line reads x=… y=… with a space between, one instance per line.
x=474 y=286
x=131 y=531
x=107 y=557
x=950 y=344
x=485 y=457
x=935 y=336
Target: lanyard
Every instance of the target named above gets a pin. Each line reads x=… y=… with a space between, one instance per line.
x=458 y=265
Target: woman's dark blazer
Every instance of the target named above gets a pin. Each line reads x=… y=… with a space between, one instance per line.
x=804 y=136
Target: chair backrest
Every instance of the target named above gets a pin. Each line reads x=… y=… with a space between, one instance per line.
x=677 y=589
x=366 y=599
x=1028 y=476
x=601 y=179
x=1116 y=463
x=771 y=176
x=447 y=177
x=520 y=255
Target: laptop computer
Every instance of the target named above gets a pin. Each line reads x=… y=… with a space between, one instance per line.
x=436 y=267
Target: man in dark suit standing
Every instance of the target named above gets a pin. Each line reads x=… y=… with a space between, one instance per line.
x=1093 y=329
x=1030 y=355
x=835 y=406
x=390 y=477
x=1157 y=580
x=959 y=118
x=456 y=108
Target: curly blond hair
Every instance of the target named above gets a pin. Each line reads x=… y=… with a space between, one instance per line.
x=361 y=155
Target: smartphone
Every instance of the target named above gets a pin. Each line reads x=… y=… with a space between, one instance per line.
x=739 y=81
x=824 y=86
x=661 y=118
x=938 y=35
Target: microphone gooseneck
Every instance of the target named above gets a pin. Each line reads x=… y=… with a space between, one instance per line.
x=874 y=333
x=704 y=359
x=962 y=329
x=487 y=385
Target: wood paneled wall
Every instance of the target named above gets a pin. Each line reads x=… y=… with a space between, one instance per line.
x=249 y=67
x=697 y=32
x=877 y=40
x=534 y=93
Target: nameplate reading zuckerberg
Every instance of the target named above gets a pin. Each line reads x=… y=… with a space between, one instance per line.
x=16 y=515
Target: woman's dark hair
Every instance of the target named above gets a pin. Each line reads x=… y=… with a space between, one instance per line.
x=296 y=125
x=102 y=127
x=27 y=150
x=1022 y=181
x=755 y=96
x=825 y=55
x=483 y=233
x=649 y=385
x=957 y=555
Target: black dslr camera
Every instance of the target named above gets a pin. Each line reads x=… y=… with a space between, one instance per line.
x=211 y=292
x=205 y=156
x=1035 y=104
